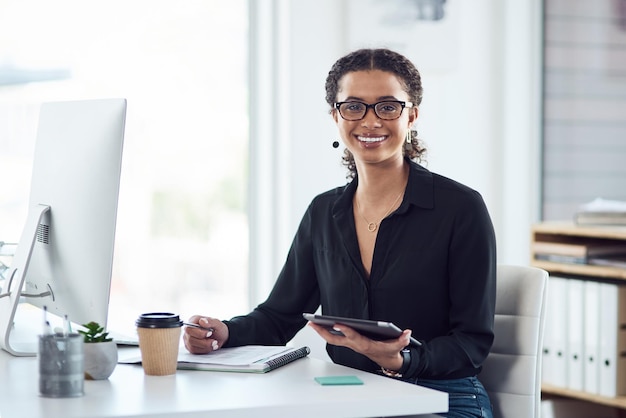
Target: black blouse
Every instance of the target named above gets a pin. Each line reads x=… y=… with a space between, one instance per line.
x=433 y=271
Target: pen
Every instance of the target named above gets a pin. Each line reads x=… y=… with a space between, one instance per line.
x=191 y=324
x=67 y=327
x=47 y=329
x=46 y=324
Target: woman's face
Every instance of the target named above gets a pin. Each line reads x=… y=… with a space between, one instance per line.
x=371 y=139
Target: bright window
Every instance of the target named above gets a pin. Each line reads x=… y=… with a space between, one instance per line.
x=182 y=230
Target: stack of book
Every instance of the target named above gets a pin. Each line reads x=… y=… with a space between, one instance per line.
x=601 y=212
x=600 y=218
x=570 y=253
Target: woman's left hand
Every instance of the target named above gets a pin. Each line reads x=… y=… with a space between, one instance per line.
x=385 y=353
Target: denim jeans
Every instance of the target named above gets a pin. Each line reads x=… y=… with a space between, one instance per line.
x=467 y=397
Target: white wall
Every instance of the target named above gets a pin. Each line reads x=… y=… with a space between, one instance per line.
x=480 y=119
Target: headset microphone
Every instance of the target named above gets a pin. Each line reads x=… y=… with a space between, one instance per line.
x=335 y=144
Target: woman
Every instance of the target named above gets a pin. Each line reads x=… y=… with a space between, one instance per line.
x=397 y=243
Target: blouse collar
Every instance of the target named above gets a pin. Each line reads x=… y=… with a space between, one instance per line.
x=419 y=191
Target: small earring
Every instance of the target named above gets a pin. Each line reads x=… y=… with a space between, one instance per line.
x=335 y=144
x=408 y=144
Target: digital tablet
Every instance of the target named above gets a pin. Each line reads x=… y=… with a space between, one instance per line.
x=376 y=330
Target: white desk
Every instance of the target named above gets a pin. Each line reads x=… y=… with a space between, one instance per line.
x=286 y=392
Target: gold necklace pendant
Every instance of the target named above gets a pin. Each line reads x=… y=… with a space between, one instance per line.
x=373 y=226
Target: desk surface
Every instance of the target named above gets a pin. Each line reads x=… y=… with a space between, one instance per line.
x=289 y=391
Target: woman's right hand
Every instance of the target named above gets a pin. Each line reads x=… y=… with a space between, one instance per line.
x=212 y=336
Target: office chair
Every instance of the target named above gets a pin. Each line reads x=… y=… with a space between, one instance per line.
x=512 y=371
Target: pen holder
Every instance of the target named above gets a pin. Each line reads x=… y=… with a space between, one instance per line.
x=61 y=365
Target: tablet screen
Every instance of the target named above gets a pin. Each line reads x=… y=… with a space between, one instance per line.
x=376 y=330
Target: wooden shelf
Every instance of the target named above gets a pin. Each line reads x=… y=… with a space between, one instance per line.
x=581 y=269
x=617 y=402
x=571 y=229
x=569 y=233
x=568 y=230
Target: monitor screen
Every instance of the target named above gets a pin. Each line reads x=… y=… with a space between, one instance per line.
x=64 y=258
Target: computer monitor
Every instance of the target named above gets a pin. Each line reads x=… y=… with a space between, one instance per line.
x=65 y=255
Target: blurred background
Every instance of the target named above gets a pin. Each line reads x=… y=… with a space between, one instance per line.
x=228 y=136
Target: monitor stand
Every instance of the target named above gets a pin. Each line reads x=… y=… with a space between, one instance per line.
x=12 y=292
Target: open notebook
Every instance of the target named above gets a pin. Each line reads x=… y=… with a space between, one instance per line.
x=124 y=339
x=245 y=359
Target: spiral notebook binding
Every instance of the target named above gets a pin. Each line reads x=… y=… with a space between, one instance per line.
x=288 y=358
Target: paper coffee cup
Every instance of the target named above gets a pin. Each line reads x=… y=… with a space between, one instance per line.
x=159 y=336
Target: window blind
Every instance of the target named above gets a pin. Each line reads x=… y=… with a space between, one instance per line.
x=584 y=126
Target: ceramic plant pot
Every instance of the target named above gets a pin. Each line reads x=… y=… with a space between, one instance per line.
x=100 y=360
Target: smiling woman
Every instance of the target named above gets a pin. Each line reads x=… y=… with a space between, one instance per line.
x=398 y=244
x=182 y=222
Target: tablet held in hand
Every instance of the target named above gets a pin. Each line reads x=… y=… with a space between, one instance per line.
x=376 y=330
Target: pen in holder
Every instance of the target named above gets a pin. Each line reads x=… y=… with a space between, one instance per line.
x=61 y=365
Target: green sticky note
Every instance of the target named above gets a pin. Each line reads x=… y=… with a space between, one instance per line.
x=338 y=380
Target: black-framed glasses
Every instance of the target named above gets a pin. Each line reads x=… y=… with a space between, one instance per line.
x=386 y=110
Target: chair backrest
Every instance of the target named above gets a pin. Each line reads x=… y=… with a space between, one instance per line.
x=512 y=371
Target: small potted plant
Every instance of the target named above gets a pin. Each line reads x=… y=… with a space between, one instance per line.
x=100 y=352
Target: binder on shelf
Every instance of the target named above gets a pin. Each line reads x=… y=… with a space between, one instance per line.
x=555 y=335
x=591 y=334
x=548 y=349
x=612 y=375
x=575 y=331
